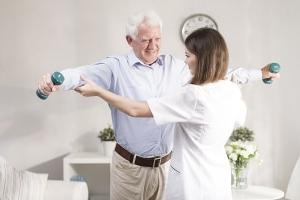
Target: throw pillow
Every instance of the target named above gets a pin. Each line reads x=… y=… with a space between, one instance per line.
x=20 y=184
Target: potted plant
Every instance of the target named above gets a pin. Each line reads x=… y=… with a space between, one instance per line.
x=240 y=149
x=242 y=134
x=107 y=138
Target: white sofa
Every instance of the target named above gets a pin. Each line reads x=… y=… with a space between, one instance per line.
x=66 y=190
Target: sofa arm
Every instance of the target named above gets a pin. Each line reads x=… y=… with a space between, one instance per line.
x=66 y=190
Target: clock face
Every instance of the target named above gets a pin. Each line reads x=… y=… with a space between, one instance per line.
x=195 y=22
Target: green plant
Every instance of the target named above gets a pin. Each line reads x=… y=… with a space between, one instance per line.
x=242 y=134
x=107 y=134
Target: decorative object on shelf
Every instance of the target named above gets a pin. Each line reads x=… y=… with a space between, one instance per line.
x=195 y=22
x=78 y=178
x=108 y=142
x=240 y=149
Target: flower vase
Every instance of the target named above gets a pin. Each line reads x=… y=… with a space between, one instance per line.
x=239 y=177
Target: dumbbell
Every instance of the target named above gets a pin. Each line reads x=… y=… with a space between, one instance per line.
x=273 y=68
x=57 y=79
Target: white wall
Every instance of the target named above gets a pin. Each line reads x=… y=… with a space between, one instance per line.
x=44 y=36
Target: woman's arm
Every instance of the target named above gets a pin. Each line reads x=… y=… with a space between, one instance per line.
x=130 y=107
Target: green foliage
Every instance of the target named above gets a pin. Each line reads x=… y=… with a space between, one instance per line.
x=107 y=134
x=242 y=134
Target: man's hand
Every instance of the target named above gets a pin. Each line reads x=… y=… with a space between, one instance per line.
x=46 y=86
x=267 y=74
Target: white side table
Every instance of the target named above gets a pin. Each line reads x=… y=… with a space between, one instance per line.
x=94 y=167
x=254 y=192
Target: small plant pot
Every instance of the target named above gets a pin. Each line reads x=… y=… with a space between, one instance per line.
x=108 y=147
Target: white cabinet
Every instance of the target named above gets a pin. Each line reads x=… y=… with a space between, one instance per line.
x=94 y=167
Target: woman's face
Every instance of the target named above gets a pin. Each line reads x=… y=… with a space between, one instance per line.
x=191 y=61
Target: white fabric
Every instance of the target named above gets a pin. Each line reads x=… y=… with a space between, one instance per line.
x=293 y=191
x=20 y=185
x=206 y=114
x=242 y=76
x=66 y=190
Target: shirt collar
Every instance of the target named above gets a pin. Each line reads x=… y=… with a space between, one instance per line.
x=134 y=61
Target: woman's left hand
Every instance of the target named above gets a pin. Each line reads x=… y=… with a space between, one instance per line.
x=89 y=89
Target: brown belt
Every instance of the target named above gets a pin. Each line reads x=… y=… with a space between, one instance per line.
x=145 y=162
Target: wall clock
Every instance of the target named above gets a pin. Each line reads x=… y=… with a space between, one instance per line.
x=195 y=22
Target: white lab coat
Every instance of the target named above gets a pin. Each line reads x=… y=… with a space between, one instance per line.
x=205 y=116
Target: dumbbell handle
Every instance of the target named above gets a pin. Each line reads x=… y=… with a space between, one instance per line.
x=57 y=79
x=273 y=68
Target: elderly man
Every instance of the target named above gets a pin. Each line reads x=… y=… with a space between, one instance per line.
x=140 y=162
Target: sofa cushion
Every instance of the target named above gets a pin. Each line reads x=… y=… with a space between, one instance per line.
x=66 y=190
x=20 y=184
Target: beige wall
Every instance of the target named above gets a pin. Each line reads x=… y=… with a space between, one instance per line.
x=44 y=36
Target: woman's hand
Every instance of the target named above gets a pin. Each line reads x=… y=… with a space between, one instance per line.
x=130 y=107
x=89 y=89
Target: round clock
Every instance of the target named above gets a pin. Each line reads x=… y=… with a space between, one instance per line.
x=195 y=22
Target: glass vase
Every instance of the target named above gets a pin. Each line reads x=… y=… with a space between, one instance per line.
x=239 y=177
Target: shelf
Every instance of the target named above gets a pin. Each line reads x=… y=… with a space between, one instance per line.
x=94 y=168
x=87 y=158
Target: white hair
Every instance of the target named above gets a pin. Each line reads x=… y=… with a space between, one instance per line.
x=149 y=17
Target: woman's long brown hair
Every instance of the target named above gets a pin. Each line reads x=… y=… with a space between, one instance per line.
x=211 y=51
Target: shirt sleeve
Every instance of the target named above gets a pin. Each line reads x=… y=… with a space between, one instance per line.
x=100 y=73
x=179 y=107
x=243 y=76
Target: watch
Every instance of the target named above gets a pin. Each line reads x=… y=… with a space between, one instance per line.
x=195 y=22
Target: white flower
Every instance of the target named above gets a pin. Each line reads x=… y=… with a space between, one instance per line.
x=228 y=149
x=233 y=156
x=244 y=153
x=257 y=158
x=240 y=153
x=236 y=143
x=251 y=148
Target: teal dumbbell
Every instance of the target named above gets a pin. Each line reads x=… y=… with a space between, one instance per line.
x=273 y=68
x=57 y=79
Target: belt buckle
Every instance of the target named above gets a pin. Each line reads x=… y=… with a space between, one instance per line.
x=154 y=161
x=134 y=158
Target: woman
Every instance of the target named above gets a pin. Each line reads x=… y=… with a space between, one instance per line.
x=205 y=112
